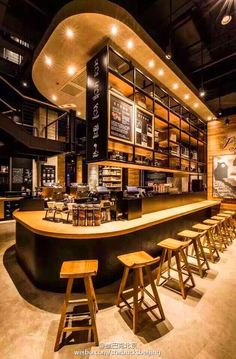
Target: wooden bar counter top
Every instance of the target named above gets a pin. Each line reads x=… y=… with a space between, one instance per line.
x=42 y=246
x=34 y=221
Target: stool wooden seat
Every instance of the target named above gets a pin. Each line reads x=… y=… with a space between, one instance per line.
x=232 y=213
x=217 y=233
x=171 y=245
x=137 y=261
x=223 y=228
x=200 y=255
x=208 y=240
x=73 y=270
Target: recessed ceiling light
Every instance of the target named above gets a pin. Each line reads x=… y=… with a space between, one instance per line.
x=48 y=60
x=69 y=33
x=24 y=83
x=226 y=19
x=151 y=64
x=161 y=72
x=186 y=96
x=71 y=70
x=130 y=44
x=196 y=105
x=54 y=97
x=175 y=86
x=209 y=118
x=78 y=113
x=114 y=29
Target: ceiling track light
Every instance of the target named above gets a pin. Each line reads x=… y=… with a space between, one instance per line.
x=169 y=46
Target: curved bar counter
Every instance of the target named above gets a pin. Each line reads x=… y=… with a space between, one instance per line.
x=42 y=246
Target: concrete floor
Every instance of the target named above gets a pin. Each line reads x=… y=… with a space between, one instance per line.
x=201 y=327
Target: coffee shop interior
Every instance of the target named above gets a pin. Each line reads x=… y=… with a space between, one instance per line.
x=117 y=179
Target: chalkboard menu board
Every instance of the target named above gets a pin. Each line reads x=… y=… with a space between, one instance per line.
x=121 y=118
x=143 y=128
x=17 y=175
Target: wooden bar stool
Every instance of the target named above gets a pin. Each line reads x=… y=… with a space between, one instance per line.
x=172 y=246
x=216 y=232
x=200 y=256
x=208 y=240
x=137 y=261
x=72 y=270
x=232 y=213
x=229 y=224
x=224 y=230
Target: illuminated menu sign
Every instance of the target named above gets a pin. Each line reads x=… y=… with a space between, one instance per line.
x=121 y=118
x=144 y=128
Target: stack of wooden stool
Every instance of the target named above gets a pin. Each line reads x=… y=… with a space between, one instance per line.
x=208 y=240
x=199 y=254
x=176 y=247
x=137 y=261
x=228 y=224
x=71 y=270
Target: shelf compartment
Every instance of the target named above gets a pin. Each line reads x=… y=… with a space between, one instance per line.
x=120 y=86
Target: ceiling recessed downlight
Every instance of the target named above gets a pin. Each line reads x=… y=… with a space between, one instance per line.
x=69 y=33
x=130 y=44
x=48 y=60
x=54 y=97
x=71 y=70
x=151 y=64
x=175 y=86
x=161 y=72
x=186 y=96
x=114 y=29
x=196 y=105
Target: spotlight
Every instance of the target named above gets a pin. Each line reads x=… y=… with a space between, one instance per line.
x=168 y=53
x=220 y=112
x=202 y=92
x=24 y=83
x=226 y=19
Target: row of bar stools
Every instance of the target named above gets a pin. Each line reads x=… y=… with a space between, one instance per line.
x=138 y=261
x=172 y=246
x=232 y=220
x=199 y=254
x=72 y=270
x=208 y=240
x=216 y=232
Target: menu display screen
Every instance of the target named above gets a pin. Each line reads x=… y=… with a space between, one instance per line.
x=144 y=128
x=121 y=118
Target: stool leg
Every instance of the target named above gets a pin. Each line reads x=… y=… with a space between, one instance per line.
x=141 y=283
x=183 y=255
x=198 y=258
x=135 y=300
x=162 y=261
x=155 y=293
x=122 y=285
x=178 y=264
x=203 y=253
x=169 y=261
x=212 y=241
x=91 y=308
x=209 y=246
x=93 y=294
x=63 y=313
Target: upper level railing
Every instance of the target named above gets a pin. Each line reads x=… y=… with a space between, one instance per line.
x=39 y=118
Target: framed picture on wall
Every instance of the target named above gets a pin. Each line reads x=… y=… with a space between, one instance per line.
x=224 y=177
x=144 y=128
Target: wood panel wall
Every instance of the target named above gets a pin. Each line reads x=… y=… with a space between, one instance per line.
x=218 y=131
x=133 y=177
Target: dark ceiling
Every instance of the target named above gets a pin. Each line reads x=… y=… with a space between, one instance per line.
x=198 y=37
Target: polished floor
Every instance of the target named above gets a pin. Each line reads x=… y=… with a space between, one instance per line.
x=201 y=327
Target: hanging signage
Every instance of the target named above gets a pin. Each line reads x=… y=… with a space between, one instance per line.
x=143 y=128
x=121 y=113
x=96 y=107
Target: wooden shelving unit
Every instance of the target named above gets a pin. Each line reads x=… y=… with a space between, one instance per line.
x=179 y=135
x=110 y=177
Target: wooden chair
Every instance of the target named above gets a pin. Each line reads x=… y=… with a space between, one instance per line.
x=217 y=233
x=72 y=270
x=200 y=256
x=172 y=246
x=208 y=240
x=137 y=261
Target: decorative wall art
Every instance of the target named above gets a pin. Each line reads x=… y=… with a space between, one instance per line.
x=224 y=176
